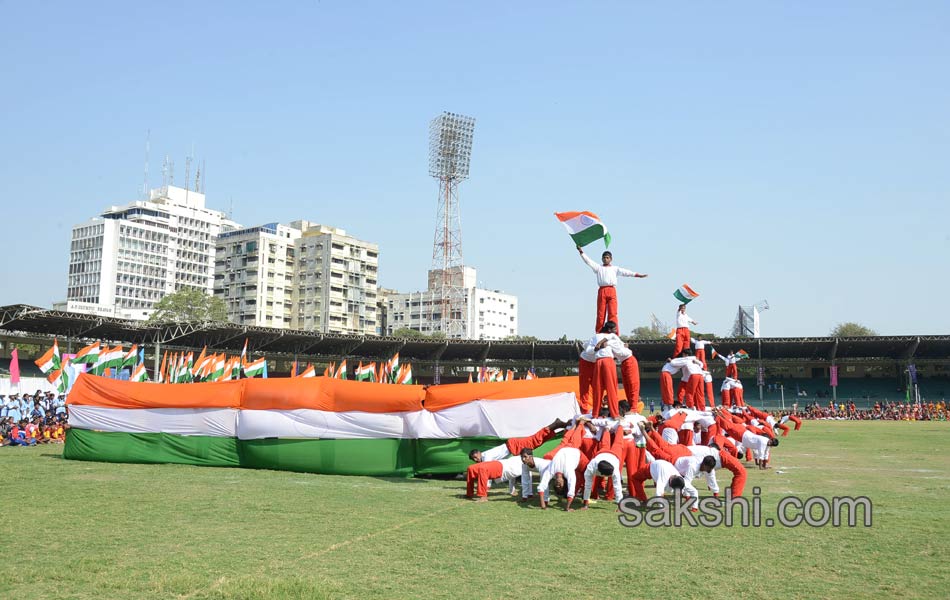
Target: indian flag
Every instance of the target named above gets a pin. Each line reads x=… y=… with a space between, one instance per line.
x=139 y=373
x=308 y=372
x=405 y=374
x=60 y=379
x=87 y=355
x=366 y=372
x=109 y=358
x=323 y=425
x=51 y=360
x=584 y=227
x=685 y=294
x=742 y=354
x=672 y=335
x=341 y=370
x=392 y=367
x=530 y=375
x=131 y=357
x=256 y=368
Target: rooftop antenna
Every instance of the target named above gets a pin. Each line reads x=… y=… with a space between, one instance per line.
x=148 y=135
x=198 y=179
x=188 y=174
x=231 y=208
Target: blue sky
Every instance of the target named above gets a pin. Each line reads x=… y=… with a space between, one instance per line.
x=789 y=151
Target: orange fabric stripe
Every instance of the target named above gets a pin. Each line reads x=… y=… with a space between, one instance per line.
x=440 y=397
x=91 y=390
x=567 y=216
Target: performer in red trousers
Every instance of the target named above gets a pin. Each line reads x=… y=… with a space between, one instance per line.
x=598 y=372
x=683 y=322
x=606 y=463
x=566 y=464
x=513 y=446
x=699 y=350
x=607 y=275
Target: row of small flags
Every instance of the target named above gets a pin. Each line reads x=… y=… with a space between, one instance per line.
x=389 y=371
x=181 y=367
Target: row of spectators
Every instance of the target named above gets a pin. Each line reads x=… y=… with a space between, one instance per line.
x=30 y=419
x=881 y=411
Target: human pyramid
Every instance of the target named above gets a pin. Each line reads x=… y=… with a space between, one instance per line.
x=691 y=438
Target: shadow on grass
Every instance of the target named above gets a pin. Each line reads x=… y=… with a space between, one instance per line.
x=52 y=455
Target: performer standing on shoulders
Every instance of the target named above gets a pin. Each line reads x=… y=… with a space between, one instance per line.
x=607 y=275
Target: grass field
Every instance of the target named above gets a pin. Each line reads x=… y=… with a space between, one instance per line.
x=95 y=530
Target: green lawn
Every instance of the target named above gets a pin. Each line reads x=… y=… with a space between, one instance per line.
x=95 y=530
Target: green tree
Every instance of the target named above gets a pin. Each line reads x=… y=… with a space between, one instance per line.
x=415 y=334
x=645 y=332
x=563 y=338
x=850 y=329
x=189 y=305
x=521 y=338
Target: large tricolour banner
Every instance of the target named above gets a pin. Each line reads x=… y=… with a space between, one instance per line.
x=311 y=424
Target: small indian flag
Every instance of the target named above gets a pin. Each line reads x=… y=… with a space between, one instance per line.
x=87 y=355
x=671 y=335
x=341 y=370
x=405 y=375
x=257 y=368
x=366 y=372
x=50 y=361
x=139 y=373
x=685 y=294
x=584 y=227
x=308 y=372
x=742 y=354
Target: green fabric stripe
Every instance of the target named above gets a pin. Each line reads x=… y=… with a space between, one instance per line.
x=379 y=457
x=586 y=236
x=151 y=448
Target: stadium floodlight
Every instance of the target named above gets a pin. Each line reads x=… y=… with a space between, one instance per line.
x=450 y=146
x=450 y=155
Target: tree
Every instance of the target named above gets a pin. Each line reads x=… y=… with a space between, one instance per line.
x=645 y=332
x=521 y=338
x=415 y=334
x=189 y=305
x=563 y=338
x=850 y=329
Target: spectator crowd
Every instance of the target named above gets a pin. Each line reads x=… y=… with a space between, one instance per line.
x=30 y=419
x=881 y=411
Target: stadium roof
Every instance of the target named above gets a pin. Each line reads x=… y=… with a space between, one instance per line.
x=20 y=319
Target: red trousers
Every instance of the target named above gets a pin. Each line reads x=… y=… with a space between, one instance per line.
x=606 y=307
x=585 y=377
x=710 y=396
x=605 y=380
x=694 y=390
x=617 y=447
x=726 y=398
x=515 y=445
x=784 y=429
x=664 y=450
x=701 y=356
x=666 y=388
x=796 y=420
x=681 y=391
x=682 y=340
x=634 y=458
x=481 y=473
x=732 y=370
x=641 y=475
x=738 y=472
x=630 y=373
x=737 y=396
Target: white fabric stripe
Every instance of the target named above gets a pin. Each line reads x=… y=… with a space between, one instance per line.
x=220 y=422
x=580 y=223
x=488 y=418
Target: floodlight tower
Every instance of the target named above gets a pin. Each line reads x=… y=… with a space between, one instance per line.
x=450 y=153
x=747 y=320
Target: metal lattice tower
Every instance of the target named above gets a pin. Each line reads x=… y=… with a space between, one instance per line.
x=747 y=320
x=450 y=153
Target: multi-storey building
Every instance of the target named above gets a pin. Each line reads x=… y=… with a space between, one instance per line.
x=127 y=259
x=335 y=281
x=254 y=274
x=487 y=314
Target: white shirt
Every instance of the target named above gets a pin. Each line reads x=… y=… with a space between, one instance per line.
x=679 y=363
x=564 y=462
x=699 y=344
x=683 y=320
x=662 y=471
x=614 y=348
x=496 y=453
x=694 y=367
x=526 y=483
x=688 y=467
x=607 y=276
x=511 y=468
x=698 y=454
x=727 y=384
x=591 y=471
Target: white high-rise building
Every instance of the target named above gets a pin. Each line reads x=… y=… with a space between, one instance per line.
x=336 y=281
x=487 y=314
x=254 y=274
x=127 y=259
